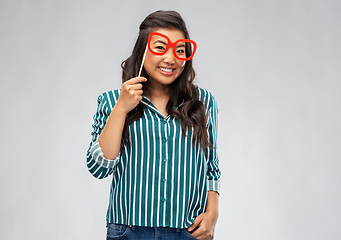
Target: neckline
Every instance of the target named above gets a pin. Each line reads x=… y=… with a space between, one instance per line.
x=148 y=103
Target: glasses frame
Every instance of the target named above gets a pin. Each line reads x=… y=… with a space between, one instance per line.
x=172 y=45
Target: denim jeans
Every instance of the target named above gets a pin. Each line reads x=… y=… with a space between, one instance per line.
x=125 y=232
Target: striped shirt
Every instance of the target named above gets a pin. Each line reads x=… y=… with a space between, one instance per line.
x=160 y=179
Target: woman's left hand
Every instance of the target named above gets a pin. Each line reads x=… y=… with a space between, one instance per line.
x=206 y=223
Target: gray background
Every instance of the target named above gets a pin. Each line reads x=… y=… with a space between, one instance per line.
x=274 y=67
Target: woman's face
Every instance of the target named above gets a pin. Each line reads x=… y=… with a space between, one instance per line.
x=164 y=69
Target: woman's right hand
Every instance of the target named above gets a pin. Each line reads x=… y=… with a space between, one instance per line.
x=131 y=94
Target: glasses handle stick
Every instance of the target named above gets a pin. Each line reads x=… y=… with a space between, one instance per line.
x=144 y=56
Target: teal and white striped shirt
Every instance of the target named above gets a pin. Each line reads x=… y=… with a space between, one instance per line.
x=161 y=179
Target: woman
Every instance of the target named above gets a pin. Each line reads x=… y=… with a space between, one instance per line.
x=157 y=136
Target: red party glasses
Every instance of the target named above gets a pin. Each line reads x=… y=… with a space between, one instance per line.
x=158 y=44
x=183 y=49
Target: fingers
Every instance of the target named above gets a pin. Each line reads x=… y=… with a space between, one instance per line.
x=135 y=87
x=135 y=80
x=194 y=225
x=134 y=84
x=202 y=228
x=131 y=93
x=198 y=232
x=138 y=92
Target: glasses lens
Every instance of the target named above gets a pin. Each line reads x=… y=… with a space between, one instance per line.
x=184 y=49
x=158 y=44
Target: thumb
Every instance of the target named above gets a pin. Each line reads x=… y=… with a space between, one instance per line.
x=196 y=223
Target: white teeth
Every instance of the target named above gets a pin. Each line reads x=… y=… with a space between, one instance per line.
x=166 y=69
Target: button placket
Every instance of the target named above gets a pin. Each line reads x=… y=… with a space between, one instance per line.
x=163 y=177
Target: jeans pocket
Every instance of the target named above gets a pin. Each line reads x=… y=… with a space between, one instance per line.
x=117 y=231
x=190 y=236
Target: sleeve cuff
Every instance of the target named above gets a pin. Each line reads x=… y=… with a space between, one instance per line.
x=213 y=185
x=97 y=155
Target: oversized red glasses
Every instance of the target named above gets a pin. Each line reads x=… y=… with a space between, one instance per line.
x=183 y=49
x=158 y=44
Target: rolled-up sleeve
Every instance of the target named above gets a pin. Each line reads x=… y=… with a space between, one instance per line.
x=99 y=166
x=213 y=171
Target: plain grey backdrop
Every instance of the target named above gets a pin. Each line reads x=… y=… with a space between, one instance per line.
x=273 y=66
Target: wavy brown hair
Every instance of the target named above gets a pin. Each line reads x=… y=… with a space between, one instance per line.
x=191 y=113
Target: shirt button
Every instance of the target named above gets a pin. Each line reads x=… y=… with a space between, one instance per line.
x=163 y=199
x=164 y=180
x=165 y=139
x=165 y=160
x=165 y=121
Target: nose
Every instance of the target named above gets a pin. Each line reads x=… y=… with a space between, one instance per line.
x=169 y=56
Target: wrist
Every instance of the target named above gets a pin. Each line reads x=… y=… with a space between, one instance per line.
x=213 y=212
x=212 y=215
x=120 y=110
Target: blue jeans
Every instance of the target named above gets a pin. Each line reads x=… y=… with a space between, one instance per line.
x=125 y=232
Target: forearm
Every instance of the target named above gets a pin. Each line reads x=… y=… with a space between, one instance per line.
x=111 y=136
x=204 y=225
x=212 y=203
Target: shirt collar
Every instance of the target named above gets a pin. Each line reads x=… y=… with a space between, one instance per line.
x=148 y=103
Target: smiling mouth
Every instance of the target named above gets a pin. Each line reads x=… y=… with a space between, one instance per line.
x=168 y=70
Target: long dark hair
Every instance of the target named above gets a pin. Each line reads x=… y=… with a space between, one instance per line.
x=191 y=113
